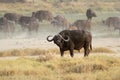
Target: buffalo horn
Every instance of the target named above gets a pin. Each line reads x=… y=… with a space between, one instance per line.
x=66 y=40
x=49 y=39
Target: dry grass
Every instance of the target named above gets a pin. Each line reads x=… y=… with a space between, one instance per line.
x=102 y=50
x=28 y=52
x=31 y=52
x=50 y=67
x=89 y=68
x=58 y=7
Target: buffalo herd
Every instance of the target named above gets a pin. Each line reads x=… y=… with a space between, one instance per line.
x=78 y=34
x=75 y=39
x=31 y=23
x=74 y=36
x=85 y=24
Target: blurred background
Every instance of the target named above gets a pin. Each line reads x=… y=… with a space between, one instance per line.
x=72 y=10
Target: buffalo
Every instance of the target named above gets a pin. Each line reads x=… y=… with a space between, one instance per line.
x=113 y=22
x=85 y=24
x=117 y=26
x=82 y=25
x=7 y=26
x=30 y=23
x=73 y=40
x=43 y=15
x=60 y=21
x=33 y=26
x=12 y=16
x=90 y=13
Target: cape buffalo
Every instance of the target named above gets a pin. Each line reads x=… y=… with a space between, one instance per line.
x=12 y=16
x=43 y=15
x=85 y=24
x=30 y=23
x=7 y=26
x=113 y=22
x=60 y=21
x=90 y=13
x=117 y=27
x=82 y=24
x=73 y=39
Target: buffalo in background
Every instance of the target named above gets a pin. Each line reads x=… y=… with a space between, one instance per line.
x=60 y=21
x=43 y=15
x=7 y=26
x=82 y=25
x=73 y=39
x=30 y=23
x=90 y=13
x=12 y=16
x=113 y=22
x=26 y=22
x=85 y=24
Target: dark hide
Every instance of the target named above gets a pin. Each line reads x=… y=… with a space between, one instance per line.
x=113 y=22
x=7 y=26
x=12 y=16
x=90 y=13
x=30 y=23
x=43 y=15
x=60 y=21
x=83 y=24
x=75 y=40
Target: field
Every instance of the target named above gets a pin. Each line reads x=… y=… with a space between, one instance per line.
x=52 y=68
x=25 y=56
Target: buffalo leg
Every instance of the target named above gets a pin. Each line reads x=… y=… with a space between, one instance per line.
x=85 y=53
x=62 y=52
x=71 y=53
x=86 y=50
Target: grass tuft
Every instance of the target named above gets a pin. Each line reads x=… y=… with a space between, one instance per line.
x=102 y=50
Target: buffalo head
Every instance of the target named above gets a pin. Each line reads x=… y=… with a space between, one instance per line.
x=58 y=39
x=90 y=13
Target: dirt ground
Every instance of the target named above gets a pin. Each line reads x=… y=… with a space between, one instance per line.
x=7 y=44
